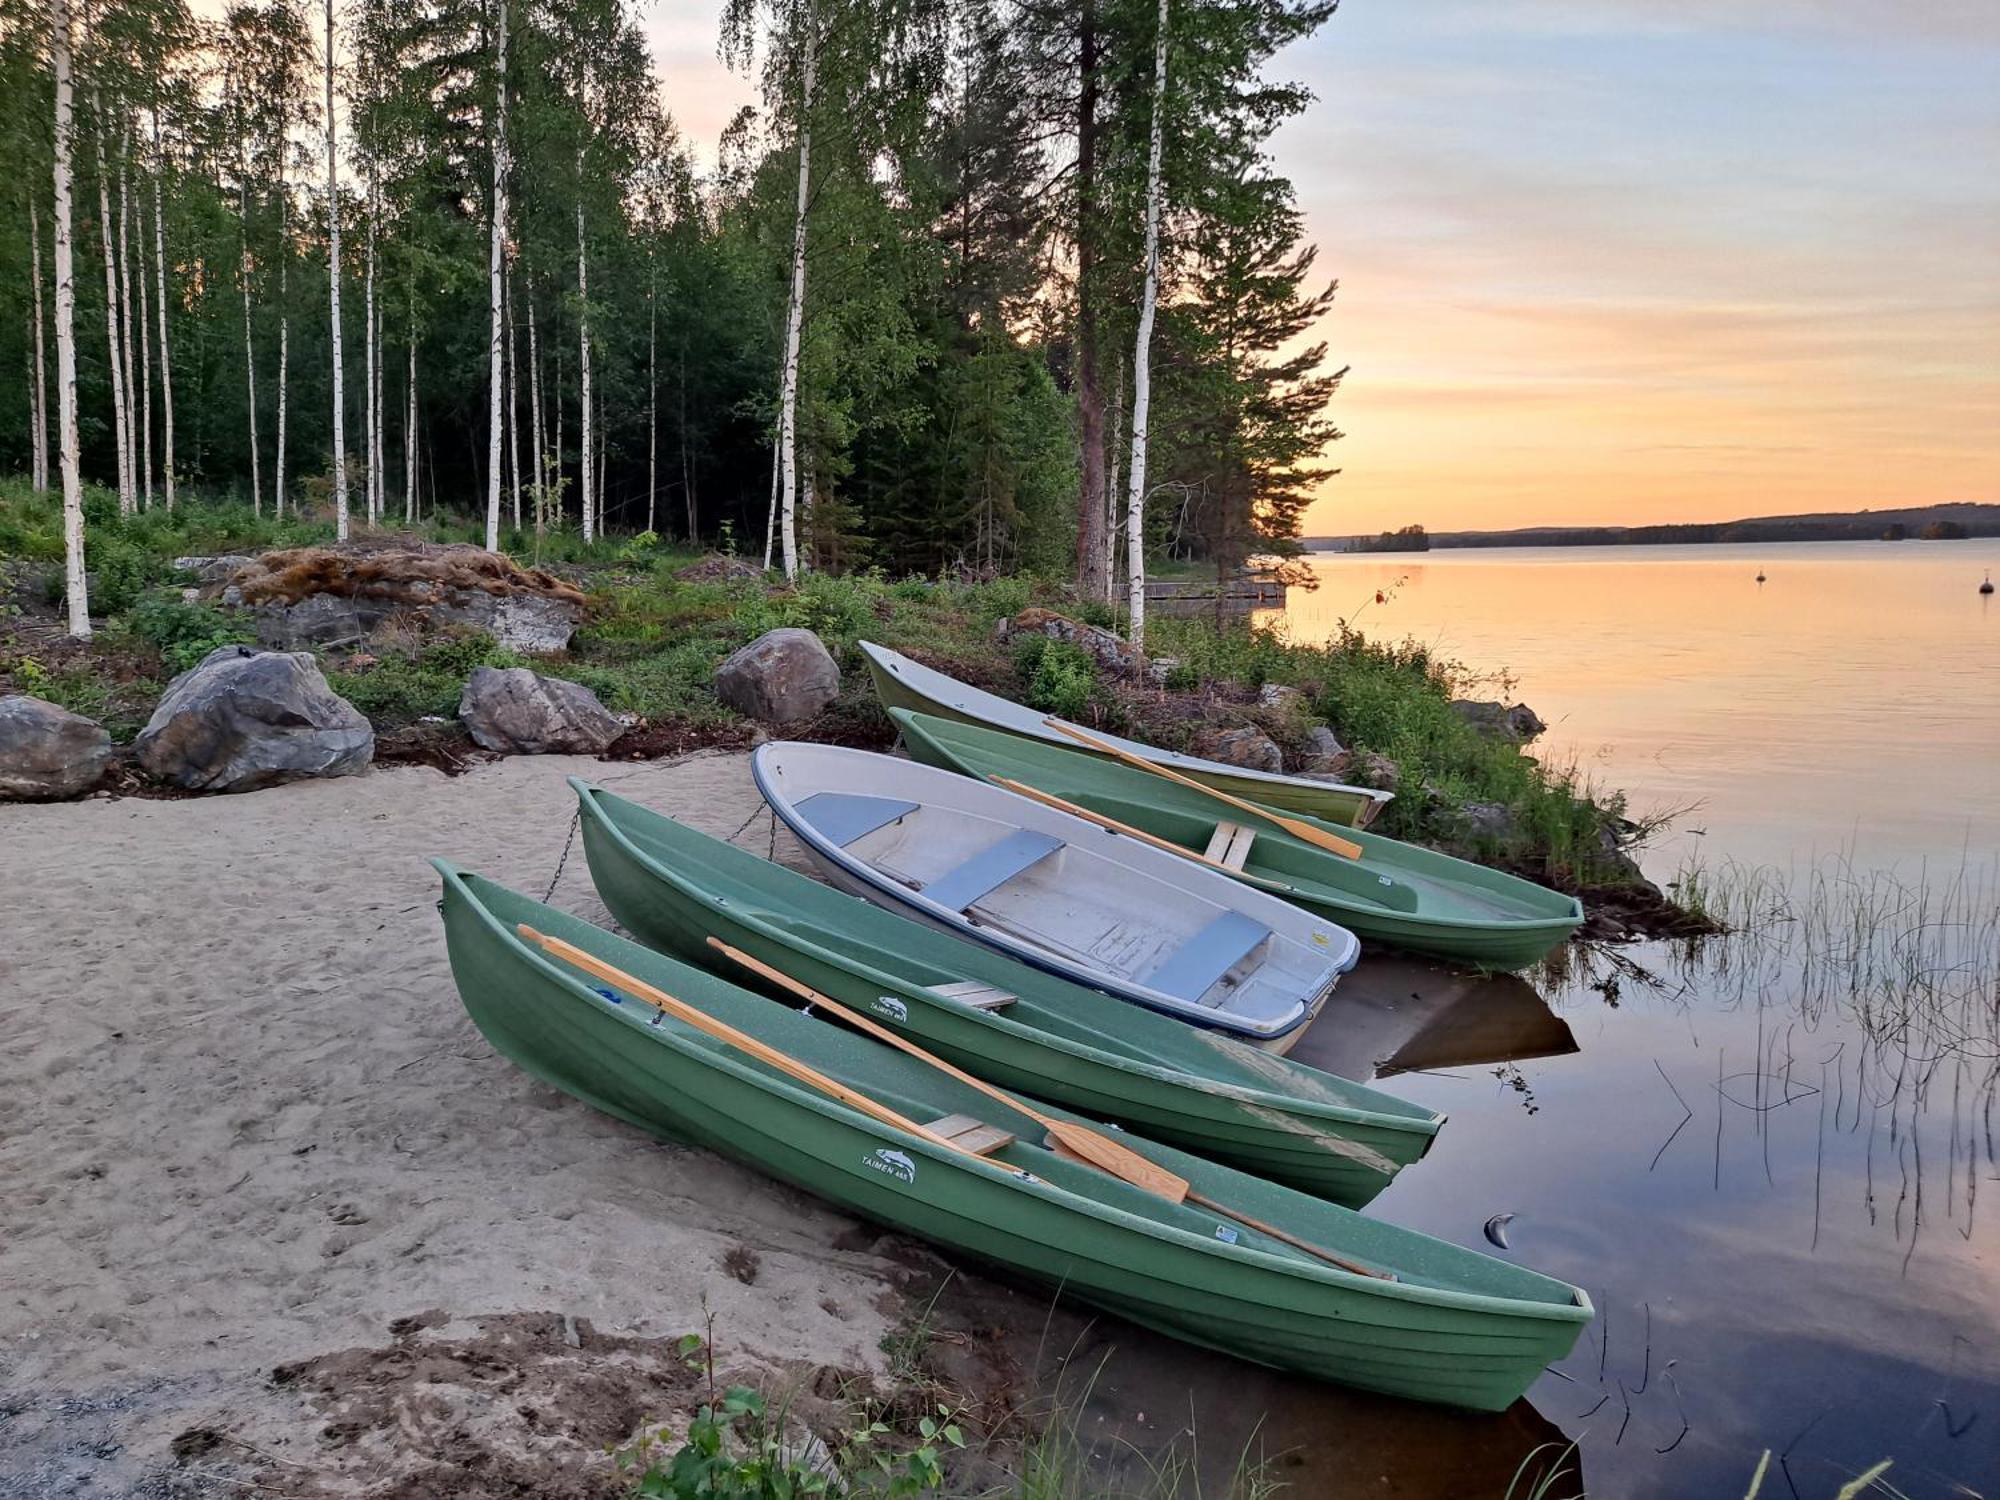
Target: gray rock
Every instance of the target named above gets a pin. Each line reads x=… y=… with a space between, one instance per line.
x=1108 y=648
x=531 y=623
x=323 y=620
x=1500 y=721
x=1324 y=754
x=211 y=570
x=781 y=677
x=1160 y=668
x=243 y=719
x=1246 y=746
x=47 y=751
x=1371 y=768
x=1285 y=699
x=1488 y=821
x=519 y=712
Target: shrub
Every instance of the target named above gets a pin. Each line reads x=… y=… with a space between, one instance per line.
x=183 y=633
x=405 y=686
x=1061 y=676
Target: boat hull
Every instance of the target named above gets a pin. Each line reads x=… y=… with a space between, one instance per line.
x=1460 y=911
x=674 y=888
x=898 y=686
x=1173 y=1268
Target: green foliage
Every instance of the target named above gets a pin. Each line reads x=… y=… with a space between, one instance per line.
x=1061 y=677
x=184 y=633
x=404 y=686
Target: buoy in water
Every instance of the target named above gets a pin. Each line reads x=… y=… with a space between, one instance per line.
x=1760 y=575
x=1987 y=586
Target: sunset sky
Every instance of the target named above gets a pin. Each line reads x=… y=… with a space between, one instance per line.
x=1605 y=261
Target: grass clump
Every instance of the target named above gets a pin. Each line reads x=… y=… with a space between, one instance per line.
x=399 y=688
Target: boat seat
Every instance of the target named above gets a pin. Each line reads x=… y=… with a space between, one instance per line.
x=843 y=817
x=971 y=1134
x=990 y=868
x=972 y=992
x=1230 y=844
x=1192 y=969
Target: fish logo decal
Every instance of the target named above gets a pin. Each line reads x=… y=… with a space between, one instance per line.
x=1226 y=1234
x=892 y=1164
x=893 y=1008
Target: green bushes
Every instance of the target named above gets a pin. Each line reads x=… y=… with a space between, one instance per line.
x=183 y=633
x=403 y=687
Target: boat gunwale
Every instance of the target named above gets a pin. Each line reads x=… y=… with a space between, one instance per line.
x=1178 y=759
x=668 y=1032
x=1346 y=1114
x=1432 y=921
x=1000 y=941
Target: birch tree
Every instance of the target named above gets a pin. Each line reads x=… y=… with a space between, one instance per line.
x=120 y=416
x=75 y=584
x=333 y=291
x=39 y=443
x=496 y=292
x=166 y=357
x=1142 y=350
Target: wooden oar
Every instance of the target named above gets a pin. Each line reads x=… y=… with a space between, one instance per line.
x=701 y=1020
x=1050 y=799
x=1329 y=841
x=1066 y=1137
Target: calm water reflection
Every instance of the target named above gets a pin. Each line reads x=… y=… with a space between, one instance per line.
x=1765 y=1157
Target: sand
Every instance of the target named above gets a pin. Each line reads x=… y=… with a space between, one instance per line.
x=245 y=1122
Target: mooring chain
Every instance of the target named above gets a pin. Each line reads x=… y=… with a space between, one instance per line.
x=575 y=822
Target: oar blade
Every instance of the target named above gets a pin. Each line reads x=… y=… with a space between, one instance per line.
x=1093 y=1149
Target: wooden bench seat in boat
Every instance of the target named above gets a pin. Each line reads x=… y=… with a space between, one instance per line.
x=991 y=868
x=1192 y=969
x=971 y=1134
x=972 y=992
x=844 y=817
x=1230 y=844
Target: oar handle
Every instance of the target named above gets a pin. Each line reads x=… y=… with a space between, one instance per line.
x=1312 y=835
x=660 y=1000
x=1050 y=799
x=1290 y=1239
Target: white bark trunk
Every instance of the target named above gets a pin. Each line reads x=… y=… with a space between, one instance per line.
x=410 y=427
x=284 y=334
x=535 y=415
x=788 y=394
x=166 y=360
x=249 y=346
x=371 y=402
x=333 y=293
x=588 y=488
x=125 y=315
x=121 y=426
x=652 y=395
x=496 y=291
x=513 y=398
x=41 y=386
x=145 y=365
x=1142 y=367
x=72 y=458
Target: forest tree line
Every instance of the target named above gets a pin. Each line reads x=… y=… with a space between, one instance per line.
x=980 y=283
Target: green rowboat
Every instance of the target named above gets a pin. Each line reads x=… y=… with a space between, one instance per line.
x=1396 y=893
x=903 y=683
x=1455 y=1326
x=1014 y=1025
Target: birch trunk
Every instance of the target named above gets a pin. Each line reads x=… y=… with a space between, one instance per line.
x=496 y=291
x=513 y=399
x=652 y=394
x=72 y=457
x=1093 y=543
x=166 y=360
x=41 y=387
x=284 y=334
x=145 y=366
x=555 y=511
x=687 y=471
x=371 y=403
x=333 y=293
x=1142 y=351
x=121 y=426
x=249 y=346
x=125 y=315
x=535 y=417
x=410 y=426
x=788 y=393
x=588 y=487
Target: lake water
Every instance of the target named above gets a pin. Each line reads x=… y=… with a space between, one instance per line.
x=1770 y=1158
x=1767 y=1156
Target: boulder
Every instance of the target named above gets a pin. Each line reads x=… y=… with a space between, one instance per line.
x=518 y=712
x=1277 y=695
x=244 y=718
x=1108 y=648
x=1488 y=822
x=1324 y=754
x=781 y=677
x=534 y=624
x=1246 y=746
x=1500 y=721
x=1161 y=668
x=48 y=752
x=213 y=570
x=323 y=620
x=1373 y=769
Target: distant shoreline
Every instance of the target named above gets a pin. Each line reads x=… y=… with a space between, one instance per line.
x=1960 y=521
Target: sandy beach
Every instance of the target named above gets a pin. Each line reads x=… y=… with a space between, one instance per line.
x=245 y=1123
